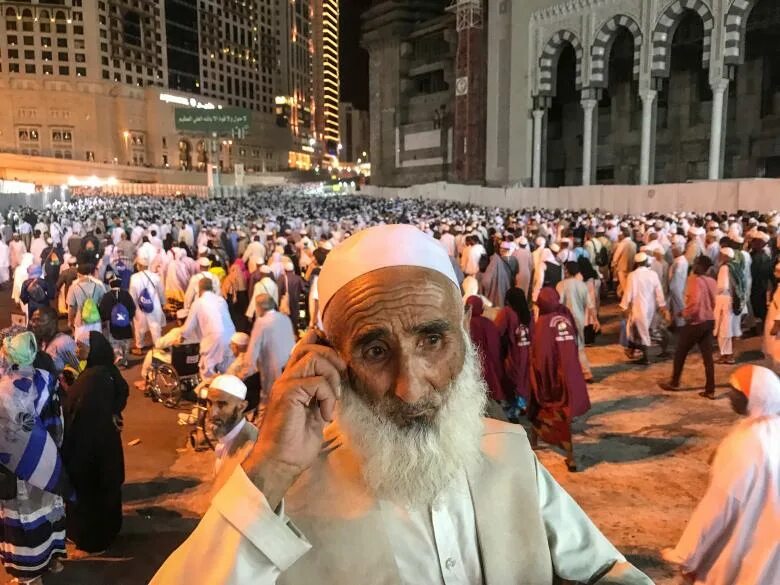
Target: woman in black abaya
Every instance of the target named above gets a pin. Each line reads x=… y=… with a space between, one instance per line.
x=92 y=450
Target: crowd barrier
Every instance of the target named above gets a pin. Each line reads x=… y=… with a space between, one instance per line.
x=39 y=200
x=747 y=194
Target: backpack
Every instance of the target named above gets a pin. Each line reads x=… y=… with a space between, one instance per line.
x=36 y=292
x=123 y=273
x=145 y=300
x=89 y=310
x=120 y=316
x=602 y=258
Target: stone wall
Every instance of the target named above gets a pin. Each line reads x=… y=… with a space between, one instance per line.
x=753 y=194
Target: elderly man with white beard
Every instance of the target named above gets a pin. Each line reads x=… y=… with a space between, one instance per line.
x=374 y=464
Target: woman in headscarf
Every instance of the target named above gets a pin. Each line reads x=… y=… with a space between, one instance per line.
x=487 y=340
x=558 y=389
x=548 y=273
x=732 y=536
x=235 y=290
x=92 y=451
x=32 y=478
x=514 y=326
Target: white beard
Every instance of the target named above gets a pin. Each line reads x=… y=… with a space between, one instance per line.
x=412 y=465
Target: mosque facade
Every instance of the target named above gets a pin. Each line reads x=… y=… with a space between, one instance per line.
x=587 y=92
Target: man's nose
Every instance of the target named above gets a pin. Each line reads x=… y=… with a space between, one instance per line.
x=409 y=383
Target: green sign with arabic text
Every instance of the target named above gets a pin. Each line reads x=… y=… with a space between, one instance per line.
x=224 y=121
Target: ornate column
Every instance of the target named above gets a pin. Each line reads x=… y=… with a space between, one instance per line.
x=539 y=120
x=588 y=143
x=647 y=157
x=720 y=89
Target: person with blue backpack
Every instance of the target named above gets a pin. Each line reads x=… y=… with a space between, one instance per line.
x=147 y=292
x=118 y=310
x=36 y=291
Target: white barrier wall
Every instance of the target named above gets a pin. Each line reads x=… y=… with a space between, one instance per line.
x=748 y=194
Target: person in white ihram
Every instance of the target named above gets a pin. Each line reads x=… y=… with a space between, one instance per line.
x=148 y=294
x=374 y=464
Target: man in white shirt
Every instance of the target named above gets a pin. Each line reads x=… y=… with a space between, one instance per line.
x=411 y=485
x=209 y=321
x=448 y=240
x=148 y=294
x=192 y=292
x=642 y=298
x=16 y=249
x=226 y=402
x=270 y=344
x=5 y=262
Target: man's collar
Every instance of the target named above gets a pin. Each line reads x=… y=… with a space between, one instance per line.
x=231 y=436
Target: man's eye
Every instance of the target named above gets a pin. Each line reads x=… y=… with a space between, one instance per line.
x=433 y=340
x=375 y=352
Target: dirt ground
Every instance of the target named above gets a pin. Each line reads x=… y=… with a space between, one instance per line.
x=643 y=455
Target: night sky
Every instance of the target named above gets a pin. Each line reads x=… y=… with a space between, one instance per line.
x=354 y=60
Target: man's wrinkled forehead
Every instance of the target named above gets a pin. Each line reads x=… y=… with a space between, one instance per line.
x=404 y=294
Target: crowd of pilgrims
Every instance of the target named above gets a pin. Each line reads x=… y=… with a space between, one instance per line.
x=97 y=275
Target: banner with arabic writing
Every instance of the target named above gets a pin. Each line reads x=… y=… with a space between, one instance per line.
x=222 y=121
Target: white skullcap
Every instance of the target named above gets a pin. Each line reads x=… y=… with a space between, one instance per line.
x=229 y=384
x=640 y=258
x=380 y=247
x=289 y=266
x=265 y=269
x=203 y=250
x=727 y=252
x=522 y=240
x=203 y=261
x=182 y=314
x=555 y=248
x=239 y=338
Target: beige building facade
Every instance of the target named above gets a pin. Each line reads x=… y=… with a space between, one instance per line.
x=122 y=125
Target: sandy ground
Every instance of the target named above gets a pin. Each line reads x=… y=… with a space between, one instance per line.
x=643 y=457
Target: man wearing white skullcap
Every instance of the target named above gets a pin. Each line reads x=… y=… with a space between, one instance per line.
x=241 y=366
x=643 y=296
x=457 y=498
x=226 y=404
x=191 y=294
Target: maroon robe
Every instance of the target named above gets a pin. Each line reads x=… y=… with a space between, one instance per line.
x=516 y=339
x=485 y=337
x=558 y=389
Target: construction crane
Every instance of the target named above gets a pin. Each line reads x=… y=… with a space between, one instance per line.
x=468 y=100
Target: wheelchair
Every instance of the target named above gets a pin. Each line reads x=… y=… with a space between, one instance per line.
x=168 y=383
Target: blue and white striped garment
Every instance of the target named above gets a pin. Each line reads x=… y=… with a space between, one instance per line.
x=32 y=525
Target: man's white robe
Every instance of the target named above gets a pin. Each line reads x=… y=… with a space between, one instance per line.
x=330 y=530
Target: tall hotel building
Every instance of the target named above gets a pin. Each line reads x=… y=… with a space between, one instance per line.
x=326 y=75
x=98 y=80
